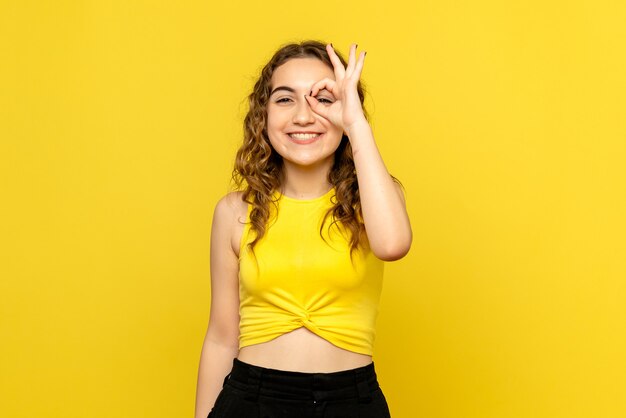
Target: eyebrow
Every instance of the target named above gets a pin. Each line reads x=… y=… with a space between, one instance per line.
x=282 y=88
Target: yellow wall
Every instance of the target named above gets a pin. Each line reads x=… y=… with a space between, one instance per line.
x=118 y=126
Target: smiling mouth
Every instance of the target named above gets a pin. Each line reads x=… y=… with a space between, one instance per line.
x=304 y=138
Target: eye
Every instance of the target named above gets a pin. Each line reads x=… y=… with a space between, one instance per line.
x=324 y=100
x=283 y=100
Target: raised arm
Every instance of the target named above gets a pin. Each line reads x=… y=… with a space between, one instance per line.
x=382 y=200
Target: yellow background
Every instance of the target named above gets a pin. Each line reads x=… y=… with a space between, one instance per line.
x=506 y=123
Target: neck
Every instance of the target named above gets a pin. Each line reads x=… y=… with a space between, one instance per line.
x=306 y=182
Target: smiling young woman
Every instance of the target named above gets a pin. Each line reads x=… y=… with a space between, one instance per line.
x=297 y=252
x=306 y=141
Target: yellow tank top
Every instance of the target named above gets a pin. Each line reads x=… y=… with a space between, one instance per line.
x=297 y=279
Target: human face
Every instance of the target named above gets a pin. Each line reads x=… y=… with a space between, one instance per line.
x=288 y=112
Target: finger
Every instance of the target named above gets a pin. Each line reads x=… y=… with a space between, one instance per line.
x=325 y=83
x=316 y=106
x=351 y=60
x=338 y=67
x=359 y=66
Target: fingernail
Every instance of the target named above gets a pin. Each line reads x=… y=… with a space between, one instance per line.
x=311 y=93
x=331 y=45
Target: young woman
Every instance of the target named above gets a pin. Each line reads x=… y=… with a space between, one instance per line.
x=297 y=253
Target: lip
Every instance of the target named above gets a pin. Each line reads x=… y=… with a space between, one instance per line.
x=307 y=141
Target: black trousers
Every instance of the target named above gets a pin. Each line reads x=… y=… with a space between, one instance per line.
x=251 y=391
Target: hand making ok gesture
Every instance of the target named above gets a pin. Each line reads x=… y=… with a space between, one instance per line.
x=346 y=110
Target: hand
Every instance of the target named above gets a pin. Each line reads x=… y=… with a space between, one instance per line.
x=346 y=110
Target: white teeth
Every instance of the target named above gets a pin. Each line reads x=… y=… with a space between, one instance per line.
x=304 y=136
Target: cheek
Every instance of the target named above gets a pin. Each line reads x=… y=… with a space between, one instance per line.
x=336 y=145
x=337 y=134
x=273 y=131
x=275 y=139
x=274 y=125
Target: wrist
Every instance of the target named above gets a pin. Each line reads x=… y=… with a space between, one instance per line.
x=357 y=126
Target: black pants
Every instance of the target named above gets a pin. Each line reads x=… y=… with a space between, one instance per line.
x=251 y=391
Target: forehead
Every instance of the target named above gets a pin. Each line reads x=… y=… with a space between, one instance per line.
x=301 y=73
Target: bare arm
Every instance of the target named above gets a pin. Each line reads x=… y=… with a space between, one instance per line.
x=215 y=363
x=221 y=340
x=382 y=200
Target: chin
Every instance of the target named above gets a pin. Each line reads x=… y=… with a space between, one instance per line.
x=309 y=162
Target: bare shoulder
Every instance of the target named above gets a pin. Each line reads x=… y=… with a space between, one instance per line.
x=231 y=205
x=231 y=212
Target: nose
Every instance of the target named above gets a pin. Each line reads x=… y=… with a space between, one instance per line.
x=303 y=113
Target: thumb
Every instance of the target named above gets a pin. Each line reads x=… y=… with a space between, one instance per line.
x=315 y=105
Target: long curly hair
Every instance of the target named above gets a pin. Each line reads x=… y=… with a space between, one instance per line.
x=258 y=167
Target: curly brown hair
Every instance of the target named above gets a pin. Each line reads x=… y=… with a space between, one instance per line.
x=260 y=167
